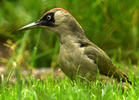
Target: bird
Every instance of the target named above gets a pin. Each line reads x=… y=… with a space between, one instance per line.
x=77 y=54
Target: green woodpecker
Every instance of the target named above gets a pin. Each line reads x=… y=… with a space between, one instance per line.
x=78 y=55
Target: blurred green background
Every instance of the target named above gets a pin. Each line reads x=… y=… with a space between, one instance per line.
x=111 y=24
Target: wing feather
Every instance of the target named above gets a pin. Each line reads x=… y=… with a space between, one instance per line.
x=105 y=65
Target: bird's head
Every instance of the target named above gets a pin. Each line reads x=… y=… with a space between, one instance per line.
x=58 y=20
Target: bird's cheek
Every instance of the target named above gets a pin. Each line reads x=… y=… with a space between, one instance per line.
x=55 y=30
x=58 y=21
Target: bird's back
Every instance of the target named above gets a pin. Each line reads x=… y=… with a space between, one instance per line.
x=85 y=58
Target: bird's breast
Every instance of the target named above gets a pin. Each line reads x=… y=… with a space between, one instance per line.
x=72 y=59
x=70 y=54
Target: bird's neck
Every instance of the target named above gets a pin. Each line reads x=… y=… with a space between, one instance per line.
x=71 y=37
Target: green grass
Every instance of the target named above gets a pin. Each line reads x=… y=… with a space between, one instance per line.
x=51 y=89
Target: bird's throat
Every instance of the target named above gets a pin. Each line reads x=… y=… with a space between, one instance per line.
x=71 y=38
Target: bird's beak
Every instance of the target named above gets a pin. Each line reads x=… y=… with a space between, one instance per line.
x=31 y=25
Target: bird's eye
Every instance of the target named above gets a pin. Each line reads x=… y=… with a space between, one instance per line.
x=48 y=17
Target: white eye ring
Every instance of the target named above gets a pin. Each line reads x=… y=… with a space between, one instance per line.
x=49 y=17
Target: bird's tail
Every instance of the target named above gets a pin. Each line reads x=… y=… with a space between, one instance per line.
x=126 y=79
x=121 y=76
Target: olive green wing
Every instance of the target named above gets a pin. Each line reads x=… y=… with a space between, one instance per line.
x=105 y=65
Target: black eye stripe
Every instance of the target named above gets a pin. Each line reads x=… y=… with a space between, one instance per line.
x=48 y=19
x=48 y=15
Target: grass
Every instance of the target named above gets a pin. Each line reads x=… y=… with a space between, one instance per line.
x=66 y=89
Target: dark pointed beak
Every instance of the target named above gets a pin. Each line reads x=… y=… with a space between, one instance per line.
x=31 y=25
